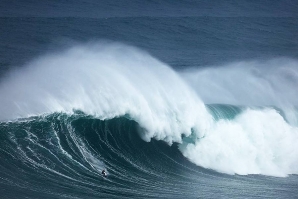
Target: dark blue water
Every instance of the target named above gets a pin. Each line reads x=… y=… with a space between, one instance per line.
x=184 y=99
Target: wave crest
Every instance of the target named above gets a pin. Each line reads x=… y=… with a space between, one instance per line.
x=106 y=80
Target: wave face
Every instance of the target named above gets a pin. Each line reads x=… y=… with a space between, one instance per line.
x=62 y=156
x=66 y=116
x=67 y=154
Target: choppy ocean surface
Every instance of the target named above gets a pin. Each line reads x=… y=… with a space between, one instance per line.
x=184 y=99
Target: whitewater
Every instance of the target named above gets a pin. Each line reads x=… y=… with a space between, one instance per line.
x=240 y=118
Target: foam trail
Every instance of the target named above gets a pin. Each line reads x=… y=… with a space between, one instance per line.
x=106 y=80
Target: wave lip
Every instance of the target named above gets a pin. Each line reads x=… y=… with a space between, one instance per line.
x=106 y=80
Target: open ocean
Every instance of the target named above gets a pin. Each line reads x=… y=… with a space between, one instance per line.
x=175 y=99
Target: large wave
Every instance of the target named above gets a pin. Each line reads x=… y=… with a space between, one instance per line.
x=113 y=80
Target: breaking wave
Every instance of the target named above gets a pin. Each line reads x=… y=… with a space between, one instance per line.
x=233 y=119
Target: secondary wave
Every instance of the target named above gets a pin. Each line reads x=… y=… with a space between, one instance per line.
x=113 y=80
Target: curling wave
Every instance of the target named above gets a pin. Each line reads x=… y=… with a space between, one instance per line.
x=113 y=80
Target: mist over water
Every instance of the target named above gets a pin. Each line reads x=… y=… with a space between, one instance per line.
x=112 y=80
x=255 y=83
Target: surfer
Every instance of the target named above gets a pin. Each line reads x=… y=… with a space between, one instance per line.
x=104 y=173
